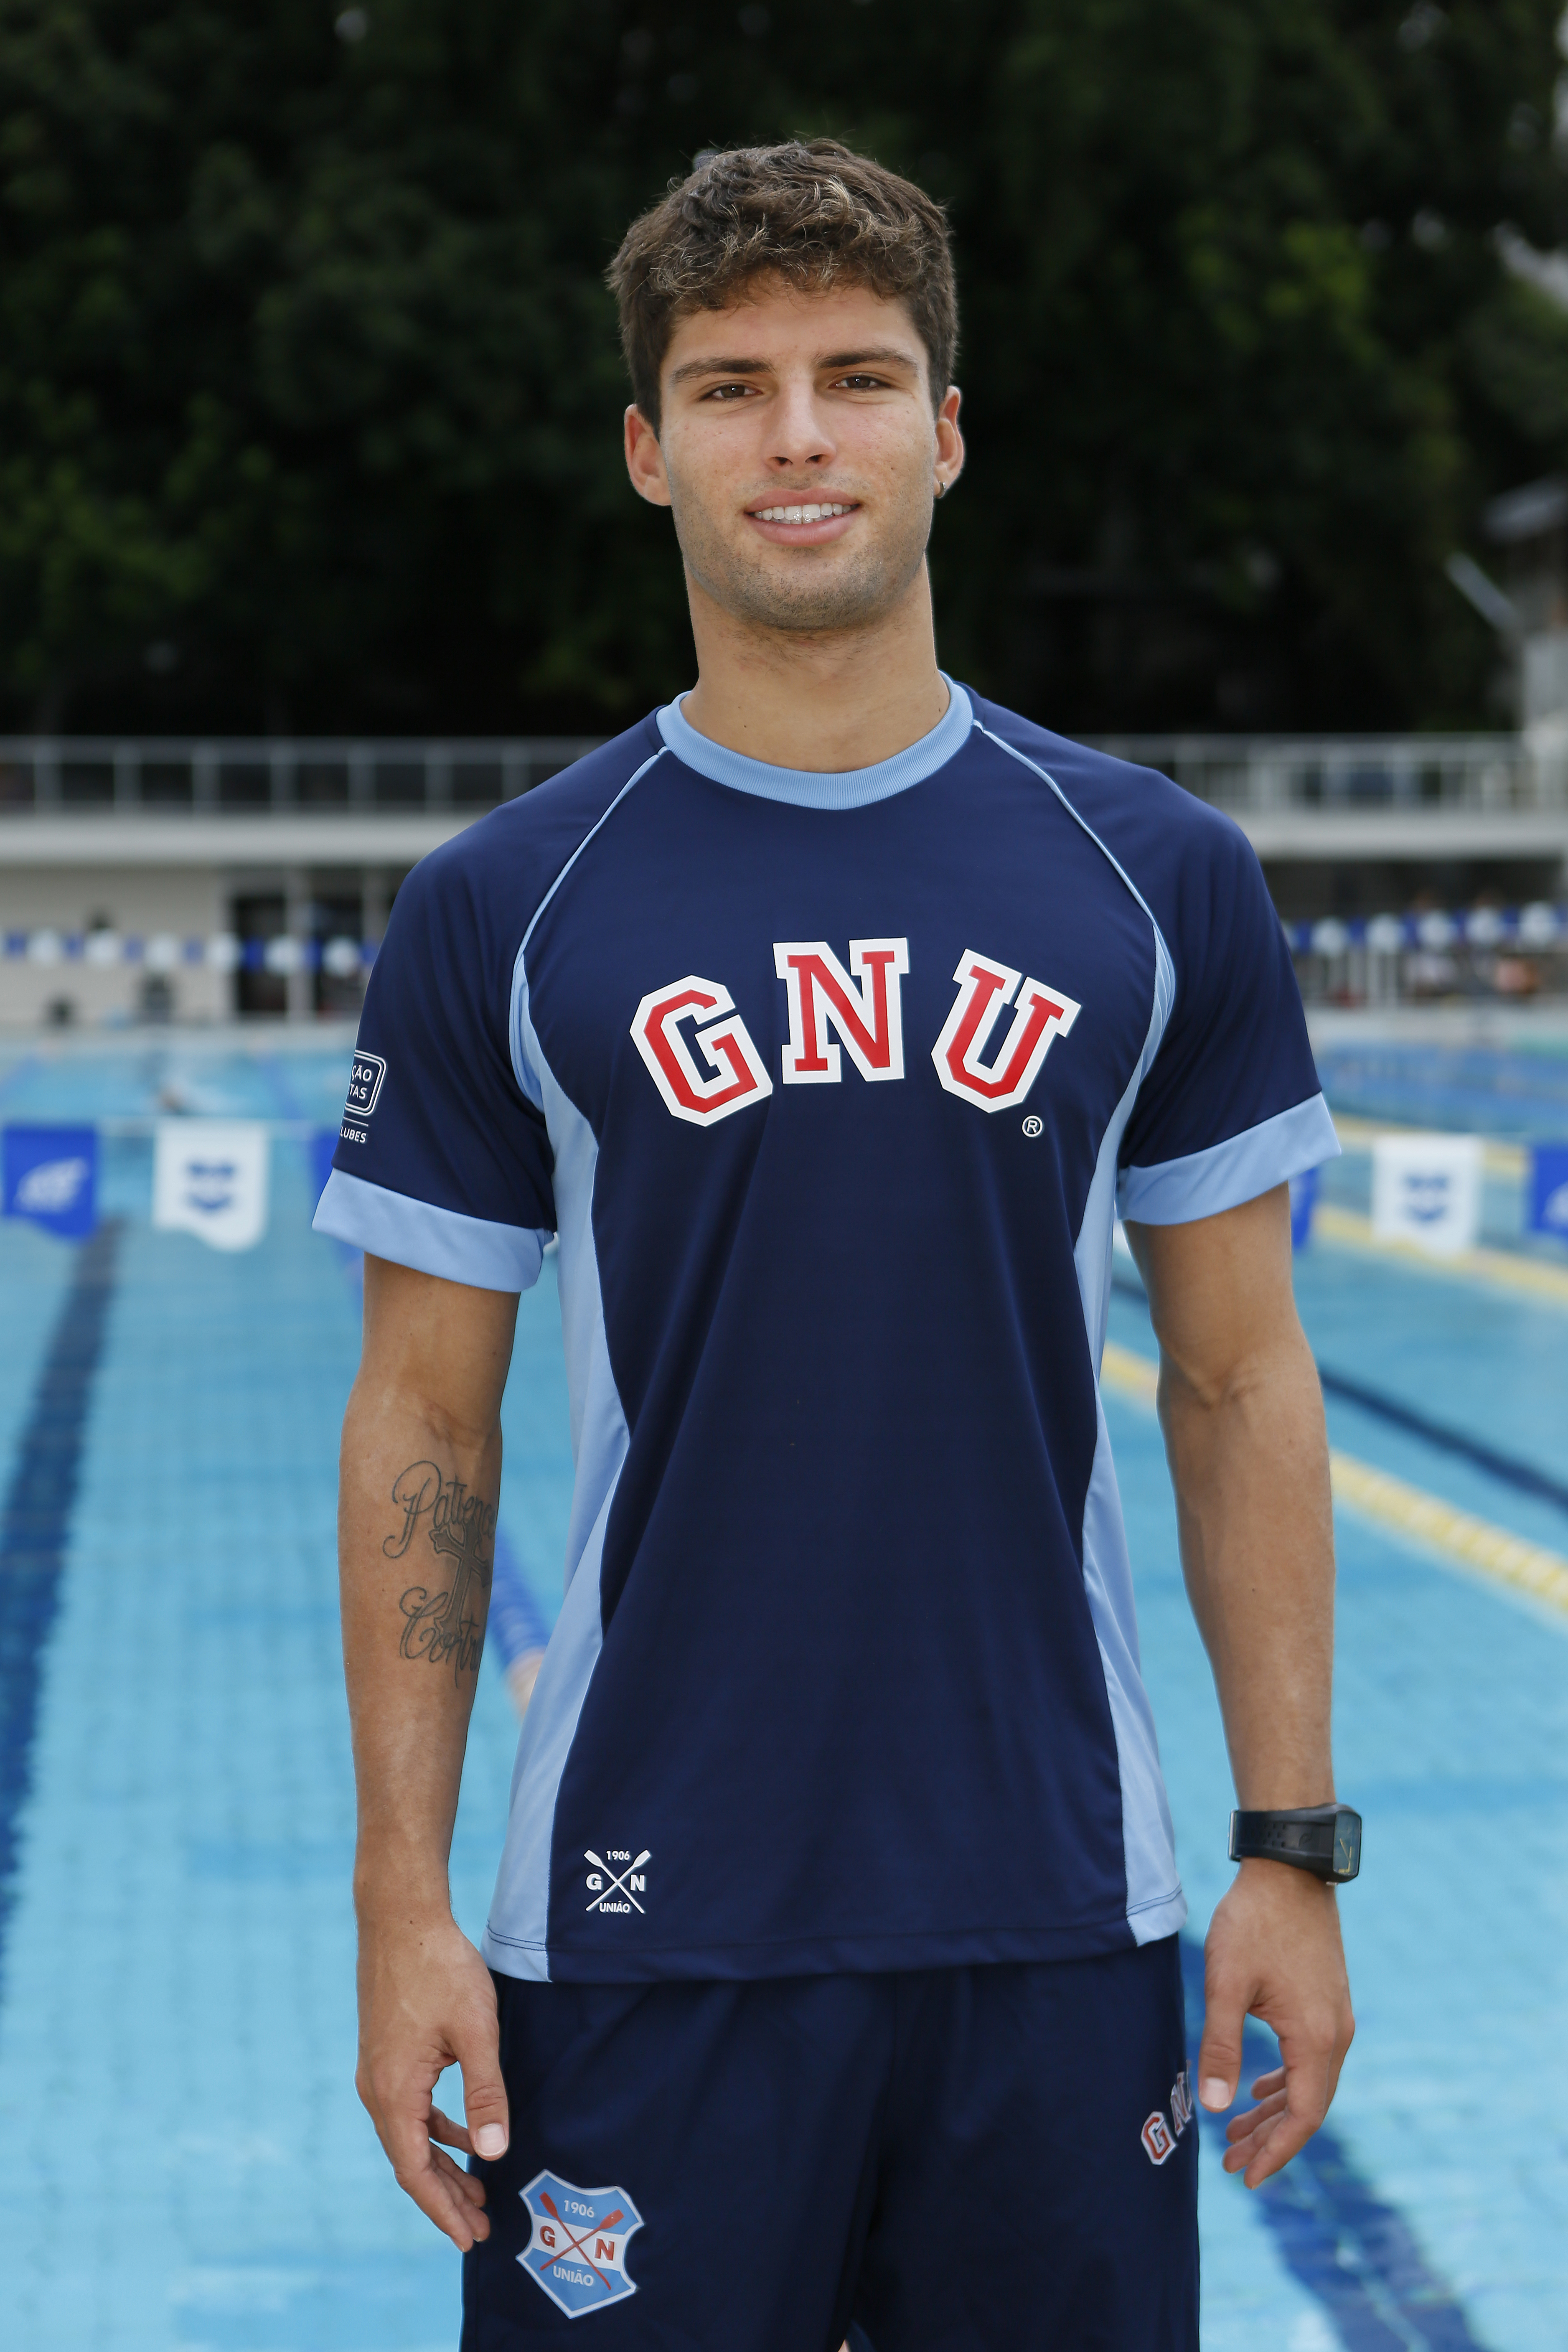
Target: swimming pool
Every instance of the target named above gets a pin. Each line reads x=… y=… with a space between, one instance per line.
x=184 y=2163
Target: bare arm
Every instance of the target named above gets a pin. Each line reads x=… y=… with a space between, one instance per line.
x=420 y=1476
x=1243 y=1419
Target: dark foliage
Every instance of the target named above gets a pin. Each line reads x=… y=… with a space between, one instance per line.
x=309 y=387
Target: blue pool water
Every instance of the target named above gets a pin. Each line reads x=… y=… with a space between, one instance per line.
x=1520 y=1093
x=183 y=2165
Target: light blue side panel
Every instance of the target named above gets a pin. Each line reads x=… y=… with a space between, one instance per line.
x=1155 y=1904
x=516 y=1935
x=394 y=1225
x=514 y=1941
x=1203 y=1183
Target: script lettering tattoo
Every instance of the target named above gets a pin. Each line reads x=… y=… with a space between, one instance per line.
x=459 y=1528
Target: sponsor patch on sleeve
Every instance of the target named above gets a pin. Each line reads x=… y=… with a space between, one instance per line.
x=364 y=1084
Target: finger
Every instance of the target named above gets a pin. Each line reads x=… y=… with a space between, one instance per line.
x=1276 y=2141
x=1241 y=2126
x=442 y=2127
x=1313 y=2049
x=1248 y=2134
x=1241 y=2158
x=442 y=2200
x=1275 y=2148
x=1268 y=2083
x=418 y=2166
x=449 y=2133
x=1252 y=2119
x=476 y=2047
x=467 y=2185
x=1219 y=2055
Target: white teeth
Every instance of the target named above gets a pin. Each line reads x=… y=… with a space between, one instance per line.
x=798 y=514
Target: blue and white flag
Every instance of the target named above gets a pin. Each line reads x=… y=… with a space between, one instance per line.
x=1426 y=1191
x=1303 y=1202
x=51 y=1176
x=1549 y=1189
x=209 y=1177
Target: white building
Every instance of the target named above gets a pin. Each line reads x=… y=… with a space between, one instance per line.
x=196 y=881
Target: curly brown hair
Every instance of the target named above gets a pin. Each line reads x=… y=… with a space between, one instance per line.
x=812 y=212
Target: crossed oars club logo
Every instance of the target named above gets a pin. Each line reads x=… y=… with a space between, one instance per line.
x=619 y=1888
x=578 y=2250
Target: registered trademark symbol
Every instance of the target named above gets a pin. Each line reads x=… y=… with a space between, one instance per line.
x=1033 y=1126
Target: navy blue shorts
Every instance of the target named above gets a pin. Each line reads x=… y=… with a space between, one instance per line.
x=948 y=2161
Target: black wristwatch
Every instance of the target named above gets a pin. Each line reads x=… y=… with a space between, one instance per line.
x=1323 y=1839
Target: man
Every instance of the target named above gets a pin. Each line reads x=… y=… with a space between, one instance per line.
x=825 y=1016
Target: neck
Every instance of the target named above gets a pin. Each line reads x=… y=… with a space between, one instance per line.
x=844 y=699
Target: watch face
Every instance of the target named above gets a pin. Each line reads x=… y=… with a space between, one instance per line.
x=1347 y=1844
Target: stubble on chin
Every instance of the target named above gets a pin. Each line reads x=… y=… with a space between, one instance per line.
x=811 y=590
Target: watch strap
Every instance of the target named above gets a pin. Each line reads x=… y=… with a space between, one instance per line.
x=1322 y=1839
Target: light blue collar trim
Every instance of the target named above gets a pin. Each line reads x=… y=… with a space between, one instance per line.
x=808 y=788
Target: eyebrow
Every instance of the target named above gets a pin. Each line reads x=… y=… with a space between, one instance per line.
x=884 y=355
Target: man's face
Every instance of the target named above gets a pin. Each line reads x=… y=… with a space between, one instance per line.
x=799 y=453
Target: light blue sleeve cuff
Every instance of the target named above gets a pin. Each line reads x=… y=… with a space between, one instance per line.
x=431 y=1240
x=1203 y=1183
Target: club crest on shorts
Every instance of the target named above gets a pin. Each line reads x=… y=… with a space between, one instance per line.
x=578 y=2250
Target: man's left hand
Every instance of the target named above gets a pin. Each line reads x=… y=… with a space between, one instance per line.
x=1273 y=1952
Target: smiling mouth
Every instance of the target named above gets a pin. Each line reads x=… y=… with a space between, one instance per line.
x=822 y=510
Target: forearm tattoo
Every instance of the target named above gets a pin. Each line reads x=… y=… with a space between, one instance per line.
x=459 y=1528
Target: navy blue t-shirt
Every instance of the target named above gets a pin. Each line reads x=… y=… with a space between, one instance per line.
x=832 y=1088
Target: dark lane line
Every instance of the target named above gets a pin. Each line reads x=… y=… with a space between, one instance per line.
x=1349 y=2248
x=1357 y=2254
x=1506 y=1468
x=35 y=1526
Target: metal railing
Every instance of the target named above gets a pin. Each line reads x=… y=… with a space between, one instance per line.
x=242 y=776
x=1245 y=774
x=1251 y=774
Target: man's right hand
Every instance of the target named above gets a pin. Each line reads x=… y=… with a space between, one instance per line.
x=427 y=2002
x=422 y=1429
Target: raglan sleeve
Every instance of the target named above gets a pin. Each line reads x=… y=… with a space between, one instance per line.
x=1231 y=1105
x=443 y=1163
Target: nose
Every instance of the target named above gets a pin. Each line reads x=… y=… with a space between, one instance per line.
x=798 y=433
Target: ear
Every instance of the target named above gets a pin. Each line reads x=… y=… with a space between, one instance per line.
x=645 y=460
x=949 y=439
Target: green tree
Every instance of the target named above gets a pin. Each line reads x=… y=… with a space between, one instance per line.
x=308 y=391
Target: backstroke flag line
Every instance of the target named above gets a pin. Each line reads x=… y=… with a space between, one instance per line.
x=209 y=1177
